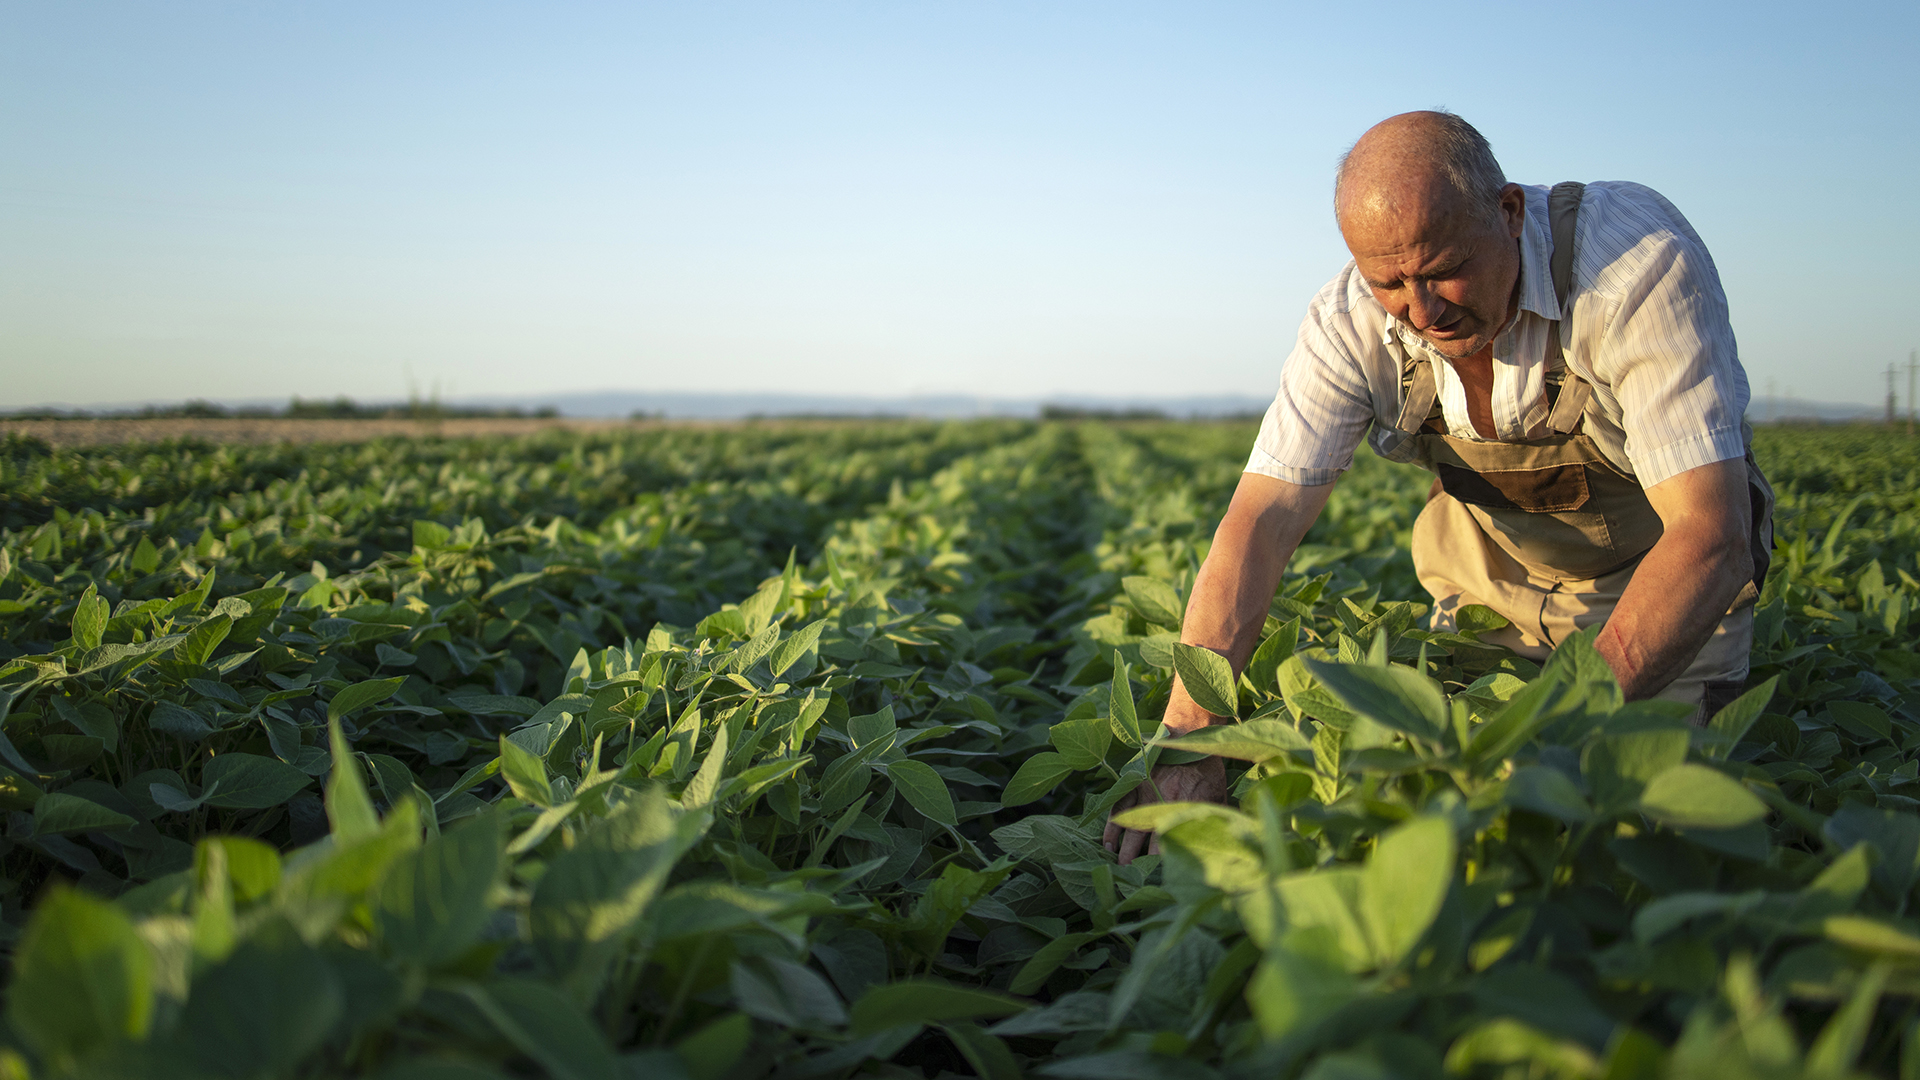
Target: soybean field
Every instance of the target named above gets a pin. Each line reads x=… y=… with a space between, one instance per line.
x=783 y=750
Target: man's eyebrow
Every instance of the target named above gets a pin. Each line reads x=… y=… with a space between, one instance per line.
x=1442 y=271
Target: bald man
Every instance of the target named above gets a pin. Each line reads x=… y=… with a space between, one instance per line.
x=1562 y=361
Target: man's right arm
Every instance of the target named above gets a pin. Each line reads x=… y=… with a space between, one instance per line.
x=1231 y=595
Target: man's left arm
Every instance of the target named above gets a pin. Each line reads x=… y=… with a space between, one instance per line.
x=1683 y=587
x=1665 y=351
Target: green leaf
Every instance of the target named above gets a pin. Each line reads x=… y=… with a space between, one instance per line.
x=1263 y=669
x=700 y=790
x=432 y=903
x=200 y=643
x=925 y=1001
x=1214 y=848
x=1154 y=600
x=1861 y=720
x=1506 y=1041
x=708 y=1053
x=263 y=1009
x=1123 y=718
x=1546 y=790
x=362 y=694
x=430 y=535
x=1474 y=619
x=1404 y=884
x=1300 y=982
x=1839 y=1044
x=760 y=609
x=91 y=718
x=1083 y=743
x=82 y=978
x=1895 y=836
x=548 y=1028
x=176 y=800
x=1249 y=740
x=988 y=1054
x=1872 y=937
x=1523 y=716
x=250 y=782
x=924 y=790
x=1208 y=679
x=349 y=809
x=592 y=896
x=90 y=619
x=1330 y=903
x=871 y=727
x=493 y=704
x=786 y=994
x=525 y=773
x=253 y=867
x=1395 y=697
x=1731 y=723
x=754 y=650
x=798 y=644
x=57 y=812
x=1697 y=797
x=1036 y=776
x=178 y=720
x=1618 y=767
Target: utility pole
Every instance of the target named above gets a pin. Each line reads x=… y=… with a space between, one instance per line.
x=1913 y=362
x=1893 y=403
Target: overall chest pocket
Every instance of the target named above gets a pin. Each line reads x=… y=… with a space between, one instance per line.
x=1550 y=490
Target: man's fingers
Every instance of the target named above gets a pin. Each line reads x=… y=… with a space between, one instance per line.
x=1110 y=838
x=1130 y=846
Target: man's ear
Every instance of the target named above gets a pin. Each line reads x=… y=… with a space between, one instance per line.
x=1513 y=208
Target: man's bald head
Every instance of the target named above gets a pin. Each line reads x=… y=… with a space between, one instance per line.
x=1423 y=166
x=1434 y=228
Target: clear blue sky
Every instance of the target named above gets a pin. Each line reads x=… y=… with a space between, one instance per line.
x=252 y=200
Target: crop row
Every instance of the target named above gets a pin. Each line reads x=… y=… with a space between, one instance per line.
x=785 y=752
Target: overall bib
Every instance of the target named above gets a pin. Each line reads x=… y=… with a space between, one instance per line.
x=1546 y=531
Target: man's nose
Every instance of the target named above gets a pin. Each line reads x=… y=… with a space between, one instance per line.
x=1423 y=307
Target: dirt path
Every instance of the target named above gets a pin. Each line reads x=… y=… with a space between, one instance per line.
x=112 y=431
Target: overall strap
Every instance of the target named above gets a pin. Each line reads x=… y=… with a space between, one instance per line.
x=1563 y=209
x=1418 y=395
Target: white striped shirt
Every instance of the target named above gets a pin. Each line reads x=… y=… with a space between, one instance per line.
x=1649 y=331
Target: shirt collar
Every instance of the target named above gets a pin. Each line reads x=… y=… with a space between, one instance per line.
x=1536 y=258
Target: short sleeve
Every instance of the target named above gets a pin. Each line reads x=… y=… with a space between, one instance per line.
x=1667 y=353
x=1323 y=406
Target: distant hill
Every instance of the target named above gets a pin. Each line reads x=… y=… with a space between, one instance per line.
x=724 y=406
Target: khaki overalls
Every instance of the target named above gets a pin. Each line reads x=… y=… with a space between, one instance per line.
x=1547 y=531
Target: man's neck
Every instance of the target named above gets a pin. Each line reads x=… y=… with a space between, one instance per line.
x=1476 y=378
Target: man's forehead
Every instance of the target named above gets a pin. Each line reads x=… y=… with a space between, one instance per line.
x=1407 y=245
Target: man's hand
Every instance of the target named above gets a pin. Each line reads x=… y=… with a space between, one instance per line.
x=1226 y=613
x=1203 y=781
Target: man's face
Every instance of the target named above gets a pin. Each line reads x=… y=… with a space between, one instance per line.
x=1450 y=276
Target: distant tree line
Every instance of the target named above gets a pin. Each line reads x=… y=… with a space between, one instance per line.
x=339 y=408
